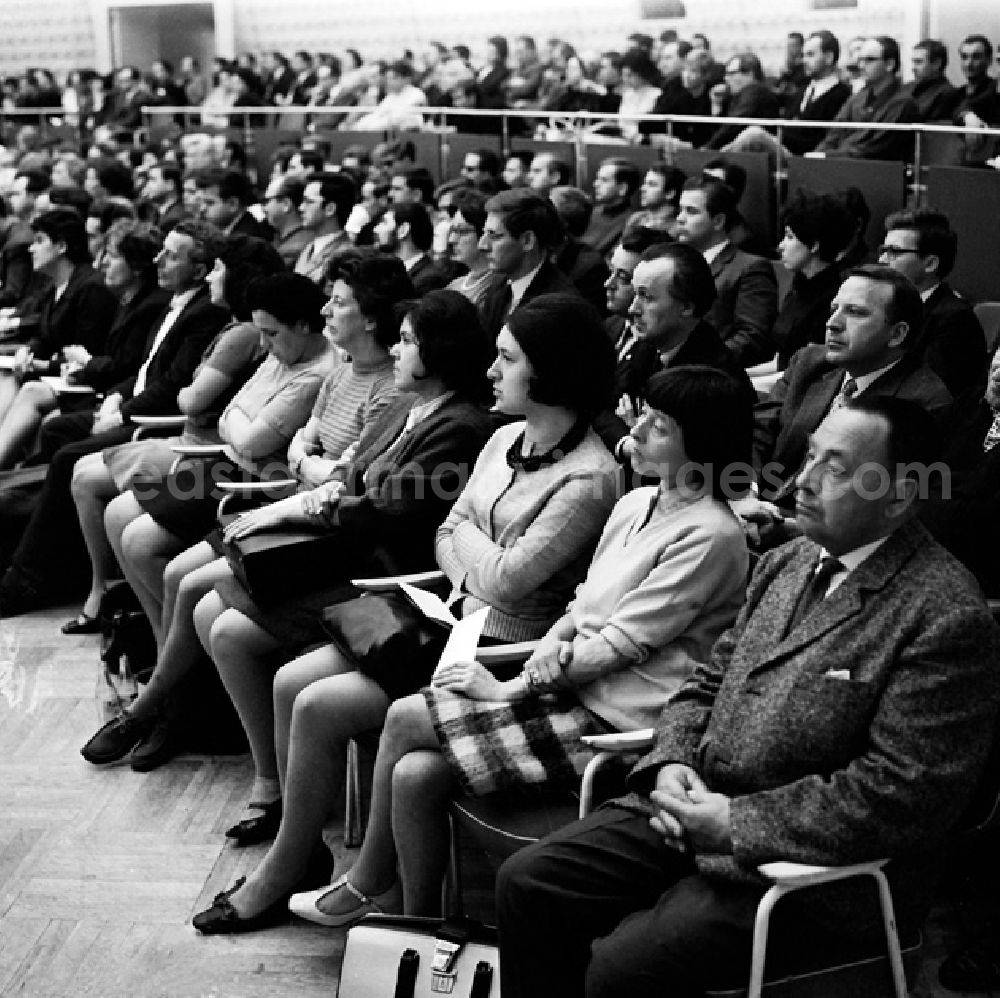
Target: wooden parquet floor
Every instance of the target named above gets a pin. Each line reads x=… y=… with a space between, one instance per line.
x=101 y=869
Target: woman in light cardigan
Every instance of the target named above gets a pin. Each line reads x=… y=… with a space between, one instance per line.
x=667 y=579
x=517 y=540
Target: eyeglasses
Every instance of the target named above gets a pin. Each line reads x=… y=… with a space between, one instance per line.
x=892 y=252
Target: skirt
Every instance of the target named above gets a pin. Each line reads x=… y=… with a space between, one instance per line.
x=495 y=747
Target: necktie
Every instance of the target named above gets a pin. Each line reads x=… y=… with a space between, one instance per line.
x=807 y=97
x=507 y=299
x=993 y=434
x=816 y=588
x=847 y=392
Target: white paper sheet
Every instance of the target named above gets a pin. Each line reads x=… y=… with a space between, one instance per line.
x=429 y=604
x=464 y=638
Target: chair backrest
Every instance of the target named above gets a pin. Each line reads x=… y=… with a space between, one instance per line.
x=988 y=314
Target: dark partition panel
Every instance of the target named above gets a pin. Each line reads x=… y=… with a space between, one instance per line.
x=971 y=199
x=883 y=184
x=428 y=149
x=457 y=144
x=757 y=206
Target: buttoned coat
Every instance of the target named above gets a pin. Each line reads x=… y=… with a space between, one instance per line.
x=859 y=734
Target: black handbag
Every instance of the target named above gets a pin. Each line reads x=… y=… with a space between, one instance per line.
x=391 y=641
x=275 y=564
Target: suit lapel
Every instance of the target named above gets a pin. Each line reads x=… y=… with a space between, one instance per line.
x=845 y=602
x=723 y=260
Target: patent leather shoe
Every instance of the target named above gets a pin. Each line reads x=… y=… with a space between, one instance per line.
x=223 y=919
x=260 y=828
x=82 y=624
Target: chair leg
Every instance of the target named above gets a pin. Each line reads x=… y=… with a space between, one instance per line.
x=451 y=890
x=891 y=935
x=760 y=927
x=352 y=803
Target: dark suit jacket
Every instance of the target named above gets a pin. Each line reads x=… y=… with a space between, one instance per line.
x=175 y=213
x=746 y=306
x=887 y=105
x=82 y=315
x=642 y=361
x=952 y=341
x=247 y=225
x=755 y=100
x=15 y=262
x=127 y=340
x=804 y=312
x=935 y=99
x=173 y=364
x=964 y=518
x=549 y=280
x=803 y=396
x=397 y=503
x=826 y=107
x=859 y=734
x=587 y=270
x=607 y=224
x=426 y=276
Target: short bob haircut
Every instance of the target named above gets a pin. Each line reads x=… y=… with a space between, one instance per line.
x=65 y=225
x=291 y=298
x=452 y=343
x=246 y=259
x=379 y=283
x=571 y=356
x=715 y=414
x=138 y=245
x=818 y=220
x=471 y=205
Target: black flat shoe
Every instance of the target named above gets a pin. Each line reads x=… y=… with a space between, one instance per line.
x=261 y=828
x=223 y=919
x=82 y=625
x=114 y=740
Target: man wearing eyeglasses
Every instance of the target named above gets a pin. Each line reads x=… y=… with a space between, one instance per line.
x=882 y=101
x=921 y=245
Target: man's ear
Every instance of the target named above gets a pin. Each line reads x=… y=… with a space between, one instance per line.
x=898 y=334
x=906 y=489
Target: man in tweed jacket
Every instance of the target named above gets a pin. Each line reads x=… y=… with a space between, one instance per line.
x=844 y=717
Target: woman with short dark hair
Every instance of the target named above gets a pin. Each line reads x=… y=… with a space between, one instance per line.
x=817 y=229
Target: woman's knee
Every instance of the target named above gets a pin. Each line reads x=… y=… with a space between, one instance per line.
x=38 y=396
x=406 y=717
x=421 y=778
x=90 y=477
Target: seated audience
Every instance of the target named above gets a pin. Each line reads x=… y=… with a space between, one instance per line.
x=930 y=90
x=874 y=327
x=743 y=95
x=545 y=172
x=382 y=508
x=881 y=101
x=615 y=185
x=659 y=200
x=584 y=266
x=747 y=301
x=646 y=614
x=282 y=201
x=922 y=246
x=406 y=231
x=979 y=101
x=130 y=273
x=767 y=754
x=398 y=108
x=522 y=230
x=326 y=206
x=229 y=361
x=465 y=232
x=517 y=541
x=672 y=293
x=817 y=230
x=49 y=558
